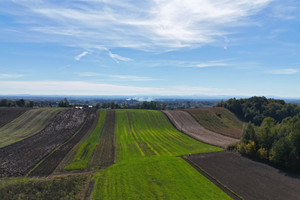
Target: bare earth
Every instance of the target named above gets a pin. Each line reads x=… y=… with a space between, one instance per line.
x=184 y=122
x=249 y=179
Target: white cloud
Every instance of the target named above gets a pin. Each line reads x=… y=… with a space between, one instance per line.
x=88 y=74
x=78 y=57
x=10 y=76
x=211 y=64
x=132 y=78
x=148 y=25
x=284 y=71
x=118 y=58
x=89 y=88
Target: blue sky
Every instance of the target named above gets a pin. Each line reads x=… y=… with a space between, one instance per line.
x=152 y=47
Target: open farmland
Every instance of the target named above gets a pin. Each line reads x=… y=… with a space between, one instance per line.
x=28 y=124
x=249 y=179
x=9 y=114
x=105 y=153
x=184 y=122
x=219 y=120
x=146 y=166
x=50 y=163
x=156 y=177
x=17 y=159
x=79 y=157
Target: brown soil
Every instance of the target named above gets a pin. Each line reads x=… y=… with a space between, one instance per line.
x=185 y=123
x=104 y=153
x=249 y=179
x=9 y=114
x=17 y=159
x=51 y=162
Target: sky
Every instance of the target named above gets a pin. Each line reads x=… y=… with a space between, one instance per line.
x=152 y=47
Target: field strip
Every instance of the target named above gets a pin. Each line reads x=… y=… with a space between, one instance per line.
x=25 y=154
x=9 y=114
x=27 y=125
x=184 y=122
x=50 y=162
x=104 y=153
x=223 y=187
x=75 y=160
x=249 y=179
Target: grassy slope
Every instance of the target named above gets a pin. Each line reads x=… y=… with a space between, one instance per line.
x=146 y=165
x=219 y=120
x=70 y=187
x=28 y=124
x=86 y=149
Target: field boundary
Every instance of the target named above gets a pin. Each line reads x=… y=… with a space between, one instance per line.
x=223 y=187
x=181 y=131
x=56 y=149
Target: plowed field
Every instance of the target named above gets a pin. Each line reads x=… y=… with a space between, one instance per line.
x=51 y=162
x=184 y=122
x=20 y=157
x=249 y=179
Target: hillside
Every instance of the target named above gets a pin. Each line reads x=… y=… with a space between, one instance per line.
x=219 y=120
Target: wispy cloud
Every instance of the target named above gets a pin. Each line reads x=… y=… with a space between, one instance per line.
x=210 y=64
x=118 y=58
x=284 y=71
x=10 y=76
x=88 y=74
x=78 y=57
x=89 y=88
x=151 y=25
x=132 y=78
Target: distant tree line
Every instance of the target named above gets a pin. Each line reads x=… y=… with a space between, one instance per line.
x=256 y=109
x=16 y=103
x=278 y=143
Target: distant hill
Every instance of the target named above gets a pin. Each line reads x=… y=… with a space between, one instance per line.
x=219 y=120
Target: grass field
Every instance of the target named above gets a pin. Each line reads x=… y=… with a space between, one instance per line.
x=86 y=149
x=147 y=166
x=143 y=133
x=162 y=177
x=28 y=124
x=67 y=188
x=219 y=120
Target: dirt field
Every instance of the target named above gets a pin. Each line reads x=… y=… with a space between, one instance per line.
x=249 y=179
x=104 y=153
x=9 y=114
x=184 y=122
x=219 y=120
x=17 y=159
x=51 y=162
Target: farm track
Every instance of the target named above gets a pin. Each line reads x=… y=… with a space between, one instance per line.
x=28 y=124
x=51 y=162
x=184 y=122
x=105 y=152
x=17 y=159
x=249 y=179
x=9 y=114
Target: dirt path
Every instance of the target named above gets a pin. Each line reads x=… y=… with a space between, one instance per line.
x=249 y=179
x=184 y=122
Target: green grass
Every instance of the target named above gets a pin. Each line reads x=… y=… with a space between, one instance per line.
x=85 y=151
x=69 y=187
x=143 y=133
x=28 y=124
x=219 y=120
x=147 y=166
x=162 y=177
